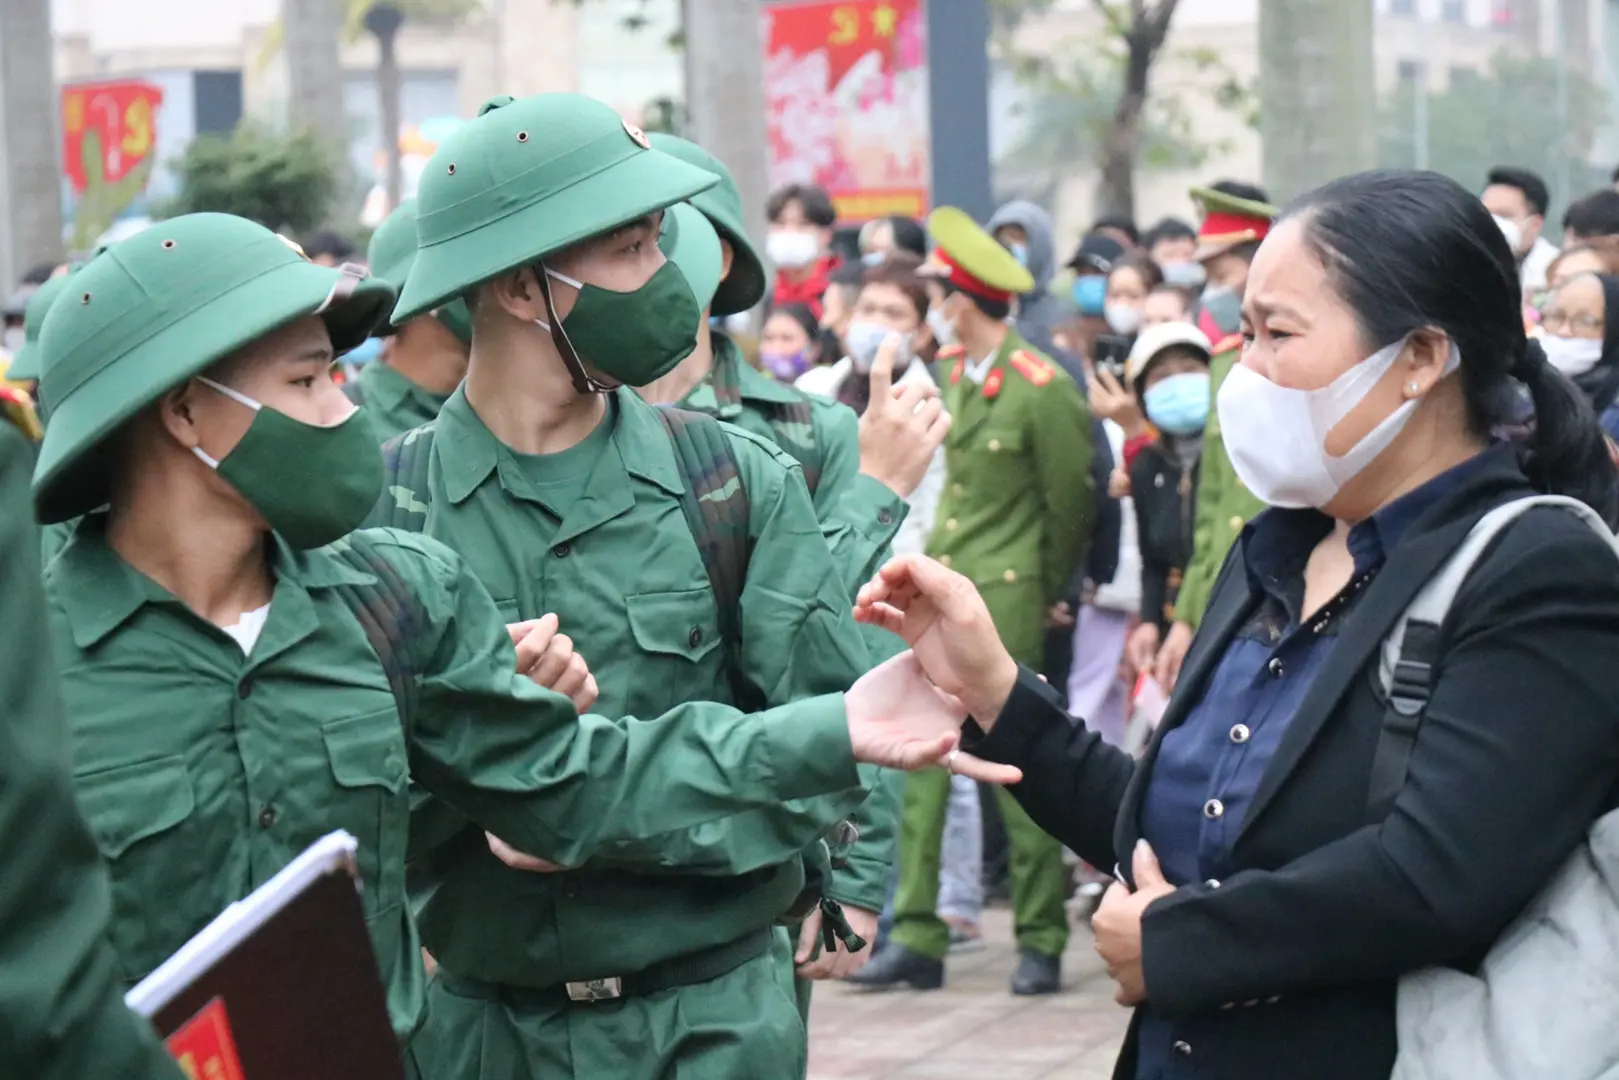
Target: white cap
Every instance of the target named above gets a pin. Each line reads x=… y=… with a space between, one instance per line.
x=1155 y=339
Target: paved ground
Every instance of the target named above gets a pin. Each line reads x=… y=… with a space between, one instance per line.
x=973 y=1029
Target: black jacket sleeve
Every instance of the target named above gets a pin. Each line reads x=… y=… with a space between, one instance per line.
x=1073 y=782
x=1517 y=754
x=62 y=1014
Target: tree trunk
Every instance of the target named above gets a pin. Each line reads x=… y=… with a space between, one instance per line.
x=388 y=109
x=1117 y=194
x=30 y=141
x=1317 y=98
x=725 y=96
x=312 y=33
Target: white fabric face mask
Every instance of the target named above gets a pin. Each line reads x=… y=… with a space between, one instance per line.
x=1122 y=319
x=1572 y=355
x=1276 y=437
x=944 y=331
x=863 y=339
x=1511 y=230
x=792 y=250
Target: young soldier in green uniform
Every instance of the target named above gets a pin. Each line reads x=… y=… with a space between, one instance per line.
x=1015 y=517
x=62 y=1014
x=568 y=494
x=1230 y=233
x=25 y=367
x=424 y=360
x=243 y=677
x=859 y=492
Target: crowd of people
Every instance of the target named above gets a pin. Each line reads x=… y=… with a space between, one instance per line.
x=663 y=668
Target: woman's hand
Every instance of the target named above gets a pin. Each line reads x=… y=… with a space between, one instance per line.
x=1117 y=924
x=548 y=658
x=1172 y=655
x=1142 y=648
x=944 y=621
x=1113 y=402
x=901 y=720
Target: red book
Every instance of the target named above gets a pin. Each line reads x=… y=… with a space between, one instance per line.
x=203 y=1045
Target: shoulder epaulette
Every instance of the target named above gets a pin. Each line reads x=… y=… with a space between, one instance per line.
x=952 y=352
x=1226 y=344
x=1031 y=367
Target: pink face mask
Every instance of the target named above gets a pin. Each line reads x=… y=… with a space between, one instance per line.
x=785 y=366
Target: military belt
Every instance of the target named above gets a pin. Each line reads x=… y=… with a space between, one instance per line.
x=688 y=970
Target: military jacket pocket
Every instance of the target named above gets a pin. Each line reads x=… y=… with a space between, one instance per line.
x=680 y=625
x=366 y=754
x=139 y=813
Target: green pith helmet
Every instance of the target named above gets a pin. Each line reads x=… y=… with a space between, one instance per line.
x=747 y=282
x=26 y=364
x=691 y=243
x=391 y=254
x=527 y=178
x=150 y=312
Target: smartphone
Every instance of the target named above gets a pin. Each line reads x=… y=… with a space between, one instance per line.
x=1109 y=352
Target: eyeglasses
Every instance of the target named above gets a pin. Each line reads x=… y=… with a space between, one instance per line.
x=1557 y=322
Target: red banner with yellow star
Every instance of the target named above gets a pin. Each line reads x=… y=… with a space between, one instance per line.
x=846 y=90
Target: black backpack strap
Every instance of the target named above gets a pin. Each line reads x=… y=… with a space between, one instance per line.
x=715 y=502
x=1407 y=701
x=393 y=618
x=406 y=493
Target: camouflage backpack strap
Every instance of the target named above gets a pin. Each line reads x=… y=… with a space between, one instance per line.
x=716 y=507
x=406 y=495
x=392 y=616
x=793 y=425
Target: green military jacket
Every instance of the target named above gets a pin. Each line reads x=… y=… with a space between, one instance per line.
x=1019 y=504
x=1223 y=504
x=859 y=517
x=621 y=569
x=392 y=402
x=62 y=1014
x=204 y=771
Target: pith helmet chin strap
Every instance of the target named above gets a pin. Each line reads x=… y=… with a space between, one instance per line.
x=583 y=381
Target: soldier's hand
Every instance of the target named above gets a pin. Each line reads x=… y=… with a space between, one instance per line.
x=548 y=658
x=901 y=427
x=516 y=859
x=812 y=961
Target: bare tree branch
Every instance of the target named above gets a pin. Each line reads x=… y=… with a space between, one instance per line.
x=1116 y=24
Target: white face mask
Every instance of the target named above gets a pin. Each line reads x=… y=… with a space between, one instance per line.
x=943 y=330
x=15 y=336
x=1122 y=319
x=1186 y=275
x=792 y=250
x=1276 y=437
x=1511 y=230
x=863 y=339
x=1572 y=355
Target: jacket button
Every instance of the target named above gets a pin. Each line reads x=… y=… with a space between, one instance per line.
x=944 y=561
x=695 y=638
x=1183 y=1048
x=267 y=817
x=562 y=550
x=950 y=524
x=956 y=489
x=1213 y=883
x=885 y=517
x=1240 y=733
x=1276 y=668
x=1009 y=577
x=244 y=688
x=994 y=446
x=1237 y=523
x=1214 y=808
x=1273 y=1000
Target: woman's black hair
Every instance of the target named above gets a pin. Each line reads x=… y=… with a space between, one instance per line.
x=1414 y=250
x=909 y=235
x=804 y=317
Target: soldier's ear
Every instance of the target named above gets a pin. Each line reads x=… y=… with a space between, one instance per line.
x=174 y=412
x=517 y=294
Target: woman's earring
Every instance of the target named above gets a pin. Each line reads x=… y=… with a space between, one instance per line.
x=1413 y=387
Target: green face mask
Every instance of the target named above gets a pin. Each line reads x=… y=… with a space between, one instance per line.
x=635 y=337
x=313 y=484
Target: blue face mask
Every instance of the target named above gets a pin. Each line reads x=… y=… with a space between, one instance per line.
x=1090 y=293
x=1179 y=405
x=363 y=353
x=1020 y=252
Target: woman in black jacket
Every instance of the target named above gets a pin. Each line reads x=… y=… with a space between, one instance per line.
x=1271 y=902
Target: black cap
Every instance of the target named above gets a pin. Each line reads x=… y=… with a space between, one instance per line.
x=1096 y=253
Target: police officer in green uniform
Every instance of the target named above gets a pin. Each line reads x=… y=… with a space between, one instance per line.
x=569 y=494
x=1231 y=230
x=1015 y=517
x=244 y=675
x=424 y=360
x=62 y=1014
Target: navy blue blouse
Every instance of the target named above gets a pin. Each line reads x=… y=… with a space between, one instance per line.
x=1208 y=768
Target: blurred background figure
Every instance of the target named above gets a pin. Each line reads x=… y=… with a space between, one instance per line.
x=1519 y=199
x=791 y=342
x=1579 y=325
x=1598 y=256
x=330 y=248
x=799 y=244
x=1595 y=216
x=1129 y=283
x=885 y=235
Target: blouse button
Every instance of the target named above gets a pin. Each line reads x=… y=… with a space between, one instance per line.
x=1240 y=733
x=267 y=817
x=1214 y=808
x=1183 y=1048
x=695 y=637
x=1213 y=883
x=1275 y=667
